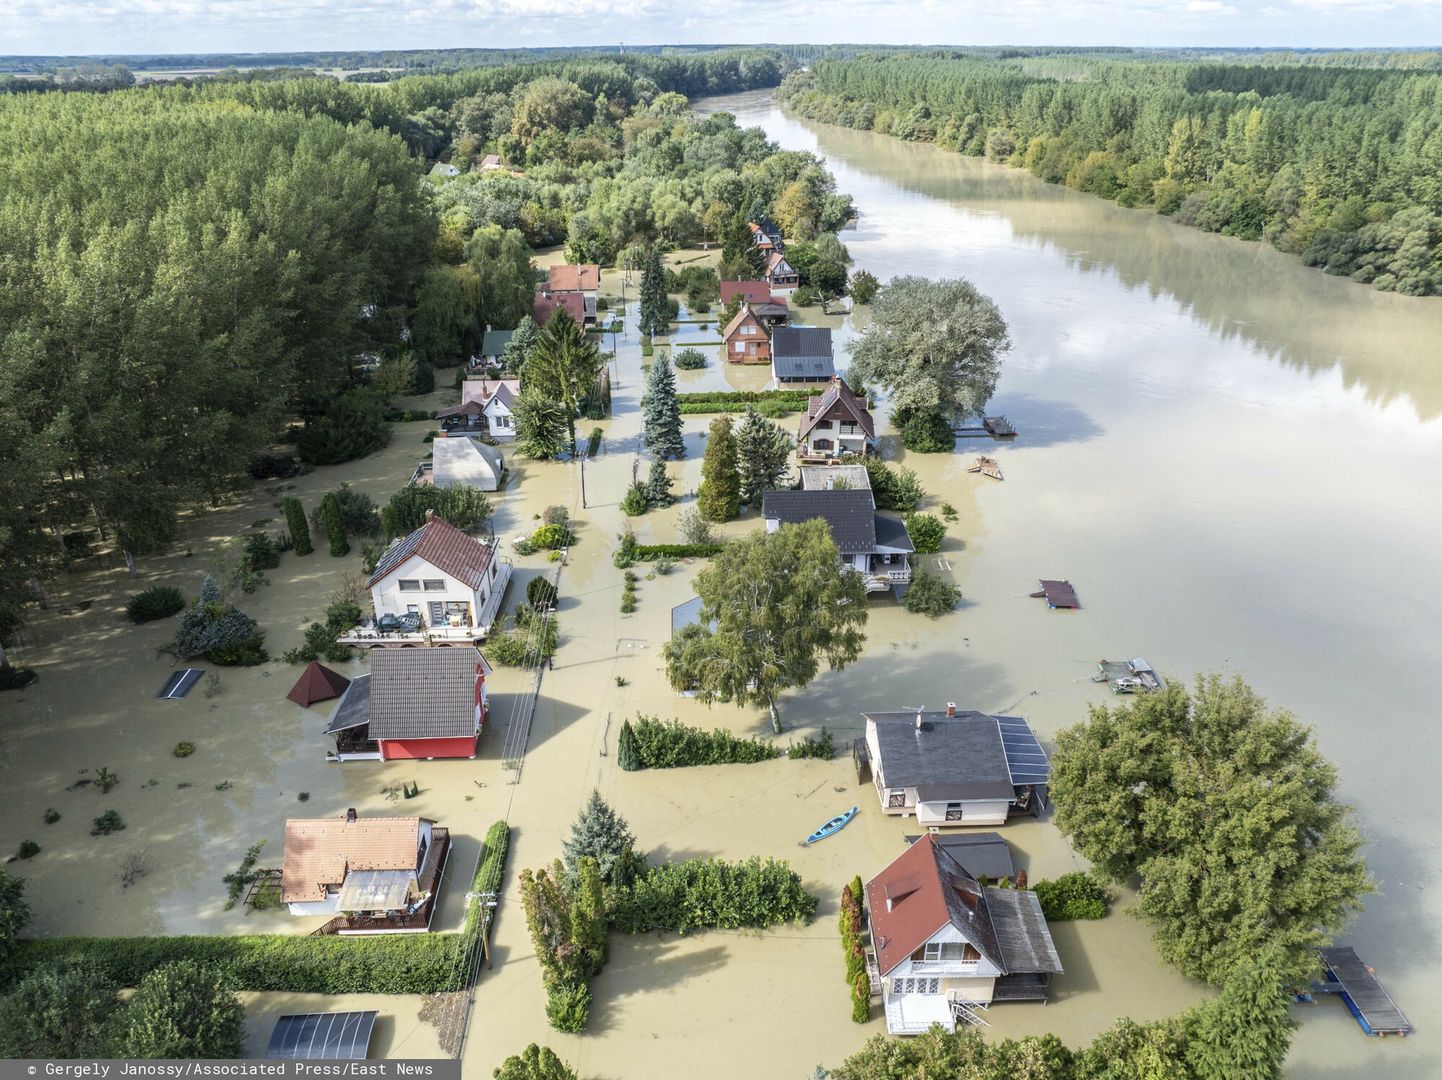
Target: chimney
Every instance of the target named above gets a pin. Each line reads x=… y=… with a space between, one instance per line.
x=430 y=516
x=350 y=816
x=951 y=708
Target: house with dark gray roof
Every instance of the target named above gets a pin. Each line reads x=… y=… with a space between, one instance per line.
x=415 y=703
x=876 y=546
x=802 y=354
x=955 y=767
x=946 y=946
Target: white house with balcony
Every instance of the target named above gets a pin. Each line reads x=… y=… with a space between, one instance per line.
x=877 y=546
x=945 y=947
x=837 y=424
x=453 y=583
x=955 y=768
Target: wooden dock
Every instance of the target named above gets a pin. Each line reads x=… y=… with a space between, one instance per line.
x=1366 y=998
x=1057 y=594
x=987 y=466
x=998 y=427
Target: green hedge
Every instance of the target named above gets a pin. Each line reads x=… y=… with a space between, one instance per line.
x=1072 y=896
x=670 y=744
x=488 y=873
x=299 y=964
x=709 y=894
x=742 y=397
x=651 y=552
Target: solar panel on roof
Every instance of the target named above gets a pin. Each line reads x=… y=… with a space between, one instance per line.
x=1024 y=756
x=344 y=1036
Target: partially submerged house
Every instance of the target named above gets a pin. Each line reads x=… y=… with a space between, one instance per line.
x=746 y=339
x=771 y=310
x=452 y=582
x=781 y=275
x=493 y=346
x=874 y=545
x=582 y=278
x=946 y=946
x=487 y=409
x=379 y=875
x=766 y=235
x=416 y=704
x=459 y=458
x=837 y=424
x=802 y=354
x=955 y=768
x=489 y=163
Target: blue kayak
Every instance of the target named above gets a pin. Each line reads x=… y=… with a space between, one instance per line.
x=836 y=824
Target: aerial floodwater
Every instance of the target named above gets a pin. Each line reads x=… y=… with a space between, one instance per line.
x=1235 y=460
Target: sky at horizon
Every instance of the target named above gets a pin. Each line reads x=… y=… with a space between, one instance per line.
x=79 y=27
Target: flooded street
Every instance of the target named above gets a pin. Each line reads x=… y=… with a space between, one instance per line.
x=1233 y=458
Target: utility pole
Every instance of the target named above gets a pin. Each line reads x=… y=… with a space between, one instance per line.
x=583 y=482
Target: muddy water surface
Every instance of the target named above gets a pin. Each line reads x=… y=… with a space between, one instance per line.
x=1233 y=458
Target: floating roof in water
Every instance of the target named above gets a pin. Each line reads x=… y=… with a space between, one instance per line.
x=1058 y=594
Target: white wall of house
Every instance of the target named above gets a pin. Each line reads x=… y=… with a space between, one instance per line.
x=499 y=420
x=418 y=586
x=318 y=907
x=973 y=812
x=947 y=976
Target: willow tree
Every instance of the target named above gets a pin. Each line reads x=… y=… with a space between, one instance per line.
x=1225 y=810
x=774 y=607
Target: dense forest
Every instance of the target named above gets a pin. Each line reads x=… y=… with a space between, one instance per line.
x=1338 y=163
x=191 y=275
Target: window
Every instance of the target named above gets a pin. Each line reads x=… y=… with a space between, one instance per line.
x=930 y=985
x=896 y=798
x=409 y=585
x=823 y=425
x=435 y=585
x=738 y=346
x=931 y=950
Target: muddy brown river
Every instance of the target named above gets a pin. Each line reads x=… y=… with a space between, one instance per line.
x=1233 y=458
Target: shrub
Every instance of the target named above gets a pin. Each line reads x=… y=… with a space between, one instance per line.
x=320 y=644
x=555 y=515
x=298 y=525
x=568 y=1006
x=552 y=537
x=358 y=512
x=813 y=746
x=184 y=749
x=350 y=426
x=490 y=869
x=464 y=506
x=628 y=603
x=156 y=602
x=1072 y=896
x=927 y=433
x=805 y=296
x=689 y=360
x=926 y=531
x=334 y=525
x=625 y=555
x=52 y=816
x=699 y=894
x=893 y=489
x=289 y=963
x=863 y=286
x=182 y=1010
x=341 y=614
x=930 y=594
x=107 y=823
x=693 y=528
x=16 y=678
x=28 y=849
x=670 y=744
x=59 y=1010
x=634 y=503
x=260 y=552
x=218 y=631
x=535 y=1062
x=650 y=552
x=664 y=565
x=861 y=998
x=506 y=649
x=593 y=445
x=274 y=467
x=541 y=592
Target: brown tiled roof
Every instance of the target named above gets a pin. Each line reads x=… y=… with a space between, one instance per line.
x=838 y=393
x=424 y=693
x=442 y=545
x=548 y=301
x=918 y=894
x=321 y=851
x=571 y=277
x=317 y=683
x=744 y=315
x=755 y=292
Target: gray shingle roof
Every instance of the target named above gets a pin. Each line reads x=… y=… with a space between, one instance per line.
x=354 y=708
x=494 y=342
x=982 y=855
x=960 y=757
x=423 y=693
x=802 y=352
x=891 y=535
x=850 y=514
x=1021 y=932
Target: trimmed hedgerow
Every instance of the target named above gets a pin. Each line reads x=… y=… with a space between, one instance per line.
x=651 y=552
x=488 y=875
x=156 y=602
x=710 y=894
x=404 y=964
x=670 y=744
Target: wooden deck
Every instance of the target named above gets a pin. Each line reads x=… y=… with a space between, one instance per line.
x=987 y=466
x=1367 y=999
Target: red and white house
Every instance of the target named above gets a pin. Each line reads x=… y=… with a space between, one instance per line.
x=414 y=704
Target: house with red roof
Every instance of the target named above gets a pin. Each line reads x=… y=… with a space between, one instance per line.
x=581 y=278
x=945 y=946
x=836 y=424
x=781 y=275
x=448 y=583
x=548 y=301
x=746 y=339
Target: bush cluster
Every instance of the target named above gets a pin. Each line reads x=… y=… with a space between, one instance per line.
x=689 y=360
x=405 y=964
x=852 y=923
x=156 y=602
x=930 y=594
x=704 y=894
x=464 y=506
x=652 y=552
x=295 y=520
x=926 y=531
x=821 y=746
x=350 y=426
x=1072 y=896
x=651 y=743
x=893 y=489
